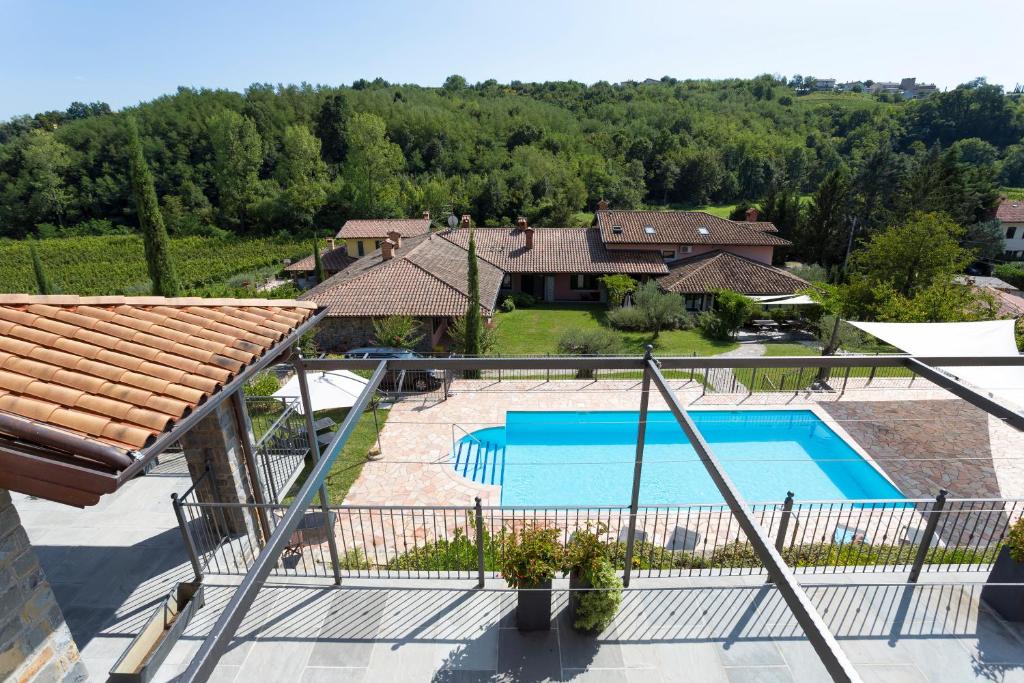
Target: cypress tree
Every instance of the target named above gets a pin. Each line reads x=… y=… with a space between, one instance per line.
x=318 y=262
x=42 y=282
x=473 y=321
x=154 y=234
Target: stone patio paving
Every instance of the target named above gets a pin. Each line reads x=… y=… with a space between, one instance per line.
x=695 y=630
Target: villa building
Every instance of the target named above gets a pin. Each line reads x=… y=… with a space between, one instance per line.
x=692 y=253
x=360 y=237
x=1010 y=214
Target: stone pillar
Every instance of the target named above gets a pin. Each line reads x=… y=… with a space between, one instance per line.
x=35 y=643
x=215 y=440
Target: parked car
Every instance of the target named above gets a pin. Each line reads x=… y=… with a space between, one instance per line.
x=400 y=380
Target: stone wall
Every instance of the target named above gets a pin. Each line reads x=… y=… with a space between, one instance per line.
x=215 y=441
x=335 y=335
x=35 y=643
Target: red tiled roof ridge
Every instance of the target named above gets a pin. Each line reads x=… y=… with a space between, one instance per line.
x=76 y=300
x=442 y=280
x=714 y=254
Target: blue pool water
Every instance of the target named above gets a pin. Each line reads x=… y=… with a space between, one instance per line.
x=586 y=458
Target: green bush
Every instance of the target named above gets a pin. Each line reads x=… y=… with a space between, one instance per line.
x=1015 y=540
x=458 y=553
x=588 y=342
x=1013 y=273
x=531 y=557
x=397 y=331
x=598 y=607
x=661 y=309
x=731 y=310
x=508 y=304
x=523 y=300
x=631 y=318
x=617 y=286
x=488 y=336
x=263 y=384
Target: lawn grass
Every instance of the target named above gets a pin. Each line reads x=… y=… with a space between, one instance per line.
x=789 y=349
x=536 y=331
x=350 y=462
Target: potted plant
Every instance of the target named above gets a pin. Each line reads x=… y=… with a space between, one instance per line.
x=530 y=560
x=1008 y=568
x=590 y=568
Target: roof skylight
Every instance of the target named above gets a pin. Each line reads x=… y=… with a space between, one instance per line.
x=703 y=231
x=617 y=229
x=649 y=229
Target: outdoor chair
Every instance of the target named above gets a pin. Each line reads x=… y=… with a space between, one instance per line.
x=845 y=535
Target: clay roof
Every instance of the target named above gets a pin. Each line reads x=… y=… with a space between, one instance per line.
x=378 y=228
x=556 y=250
x=680 y=227
x=718 y=269
x=760 y=226
x=121 y=370
x=1010 y=211
x=335 y=260
x=425 y=277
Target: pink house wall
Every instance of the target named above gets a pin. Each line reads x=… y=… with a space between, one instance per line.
x=762 y=254
x=564 y=292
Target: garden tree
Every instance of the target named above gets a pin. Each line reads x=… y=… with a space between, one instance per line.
x=237 y=157
x=938 y=182
x=154 y=234
x=318 y=262
x=587 y=342
x=472 y=320
x=488 y=337
x=782 y=207
x=823 y=233
x=660 y=309
x=874 y=186
x=730 y=312
x=984 y=239
x=911 y=256
x=397 y=331
x=36 y=191
x=43 y=285
x=371 y=168
x=331 y=126
x=617 y=287
x=1011 y=170
x=302 y=176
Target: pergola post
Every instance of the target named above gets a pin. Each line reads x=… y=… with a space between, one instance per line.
x=638 y=466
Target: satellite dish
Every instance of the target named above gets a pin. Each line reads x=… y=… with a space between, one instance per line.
x=453 y=222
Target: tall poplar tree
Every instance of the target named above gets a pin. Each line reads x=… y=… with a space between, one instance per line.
x=318 y=262
x=154 y=233
x=42 y=282
x=473 y=321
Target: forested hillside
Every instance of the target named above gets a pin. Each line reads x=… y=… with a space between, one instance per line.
x=292 y=158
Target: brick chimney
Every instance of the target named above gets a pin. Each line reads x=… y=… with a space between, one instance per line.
x=752 y=215
x=602 y=205
x=396 y=237
x=528 y=231
x=465 y=222
x=387 y=250
x=330 y=243
x=521 y=223
x=426 y=215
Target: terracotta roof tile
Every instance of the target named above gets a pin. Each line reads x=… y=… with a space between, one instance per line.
x=121 y=370
x=717 y=270
x=556 y=250
x=426 y=277
x=378 y=228
x=1010 y=211
x=680 y=227
x=334 y=260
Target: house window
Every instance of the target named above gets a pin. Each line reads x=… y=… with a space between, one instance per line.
x=376 y=244
x=668 y=254
x=617 y=229
x=506 y=281
x=693 y=302
x=1010 y=231
x=359 y=248
x=582 y=281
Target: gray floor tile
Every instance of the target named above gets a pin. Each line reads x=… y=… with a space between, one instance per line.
x=750 y=653
x=760 y=674
x=333 y=675
x=803 y=661
x=595 y=675
x=890 y=673
x=583 y=651
x=993 y=643
x=529 y=656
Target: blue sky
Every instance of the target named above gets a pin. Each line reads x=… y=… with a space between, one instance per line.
x=120 y=52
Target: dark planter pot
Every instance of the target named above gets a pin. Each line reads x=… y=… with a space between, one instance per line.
x=533 y=611
x=576 y=580
x=1008 y=601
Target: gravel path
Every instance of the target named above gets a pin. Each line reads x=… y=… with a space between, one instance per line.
x=722 y=379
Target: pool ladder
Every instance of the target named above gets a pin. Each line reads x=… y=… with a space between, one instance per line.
x=480 y=461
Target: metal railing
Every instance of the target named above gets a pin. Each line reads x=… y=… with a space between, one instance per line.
x=447 y=542
x=282 y=444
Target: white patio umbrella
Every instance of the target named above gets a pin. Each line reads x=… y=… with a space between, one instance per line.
x=327 y=390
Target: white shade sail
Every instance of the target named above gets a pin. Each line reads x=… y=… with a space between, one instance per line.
x=327 y=390
x=986 y=338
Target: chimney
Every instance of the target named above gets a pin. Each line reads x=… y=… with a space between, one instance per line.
x=426 y=215
x=395 y=237
x=465 y=222
x=521 y=223
x=330 y=243
x=602 y=205
x=528 y=231
x=753 y=215
x=387 y=250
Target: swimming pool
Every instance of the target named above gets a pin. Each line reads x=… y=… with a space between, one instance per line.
x=586 y=458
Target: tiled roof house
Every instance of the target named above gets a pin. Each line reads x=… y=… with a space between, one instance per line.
x=424 y=276
x=1010 y=214
x=361 y=236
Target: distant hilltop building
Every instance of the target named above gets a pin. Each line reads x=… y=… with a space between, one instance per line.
x=907 y=88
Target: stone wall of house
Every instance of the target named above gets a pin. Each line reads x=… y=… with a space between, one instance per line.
x=35 y=643
x=335 y=335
